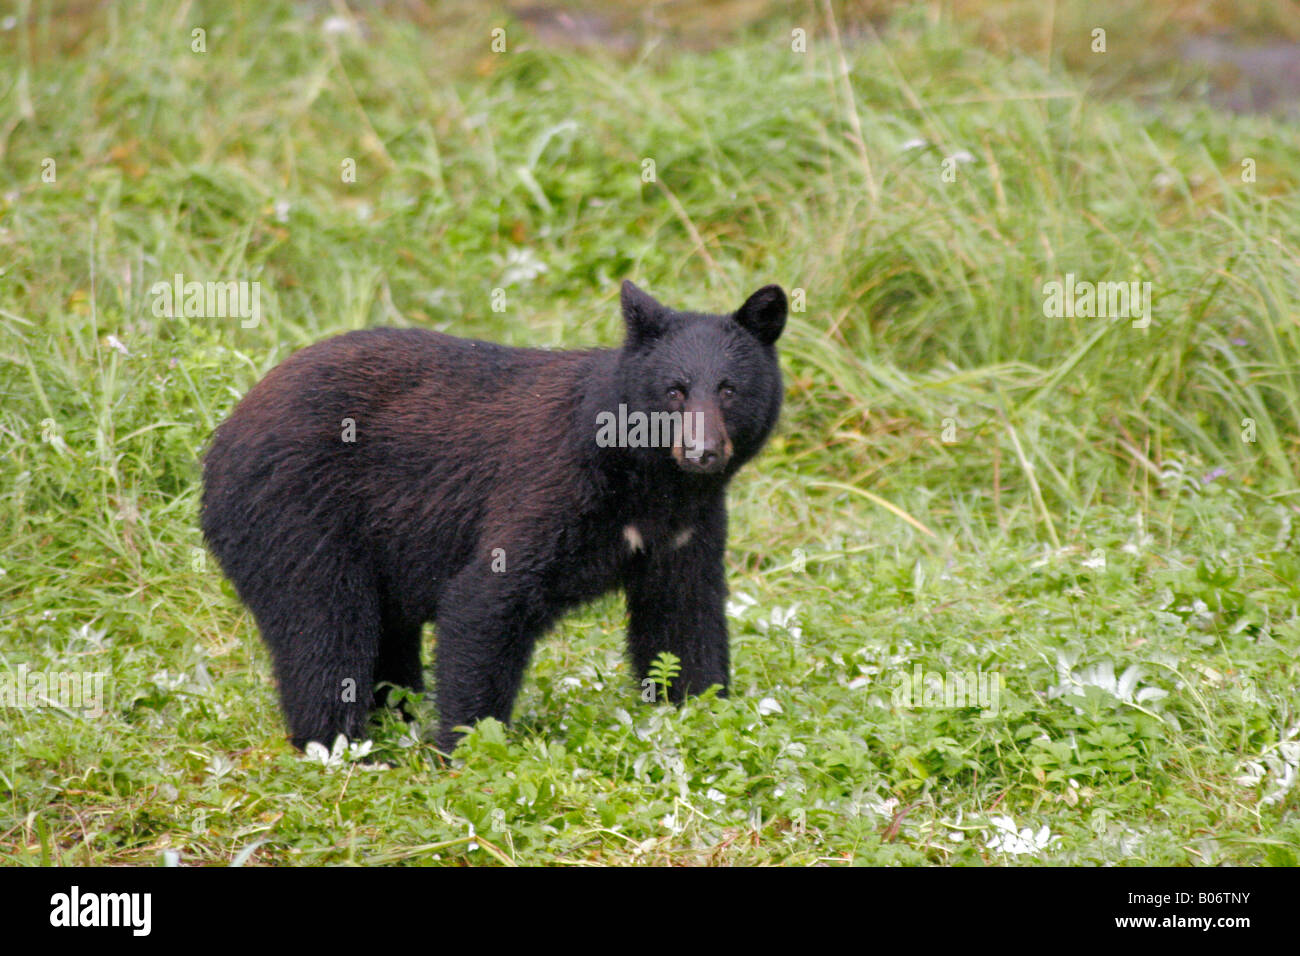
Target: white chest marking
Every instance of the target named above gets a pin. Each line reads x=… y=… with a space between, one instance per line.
x=683 y=537
x=633 y=537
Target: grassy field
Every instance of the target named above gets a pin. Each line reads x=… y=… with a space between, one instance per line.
x=1099 y=515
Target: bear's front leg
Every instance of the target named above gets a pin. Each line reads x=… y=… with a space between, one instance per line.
x=487 y=625
x=676 y=600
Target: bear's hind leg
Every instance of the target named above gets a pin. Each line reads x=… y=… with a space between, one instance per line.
x=324 y=644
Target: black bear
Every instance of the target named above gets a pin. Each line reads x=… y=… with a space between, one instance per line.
x=388 y=477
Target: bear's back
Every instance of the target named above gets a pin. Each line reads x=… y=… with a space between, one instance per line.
x=387 y=438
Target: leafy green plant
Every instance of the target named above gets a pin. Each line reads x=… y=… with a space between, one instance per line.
x=663 y=669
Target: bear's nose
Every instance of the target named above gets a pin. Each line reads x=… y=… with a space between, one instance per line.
x=708 y=460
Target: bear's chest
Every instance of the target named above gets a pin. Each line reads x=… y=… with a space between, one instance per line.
x=644 y=537
x=599 y=565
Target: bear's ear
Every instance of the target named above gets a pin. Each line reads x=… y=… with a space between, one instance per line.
x=764 y=313
x=643 y=315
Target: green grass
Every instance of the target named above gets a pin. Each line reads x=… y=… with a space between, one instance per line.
x=1096 y=506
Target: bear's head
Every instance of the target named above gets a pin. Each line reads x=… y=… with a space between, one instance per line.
x=718 y=373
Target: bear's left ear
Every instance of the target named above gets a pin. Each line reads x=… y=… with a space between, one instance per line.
x=644 y=316
x=764 y=313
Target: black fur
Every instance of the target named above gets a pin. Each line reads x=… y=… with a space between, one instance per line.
x=343 y=549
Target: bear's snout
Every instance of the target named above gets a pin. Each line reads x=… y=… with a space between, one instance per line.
x=707 y=451
x=709 y=462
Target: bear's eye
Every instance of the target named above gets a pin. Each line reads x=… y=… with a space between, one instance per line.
x=726 y=391
x=676 y=393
